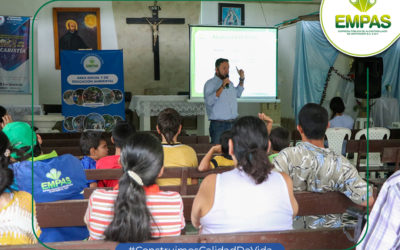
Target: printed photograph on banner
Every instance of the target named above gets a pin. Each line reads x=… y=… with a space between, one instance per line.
x=92 y=88
x=75 y=29
x=360 y=28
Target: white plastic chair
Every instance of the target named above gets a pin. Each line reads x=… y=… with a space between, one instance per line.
x=376 y=133
x=361 y=123
x=336 y=138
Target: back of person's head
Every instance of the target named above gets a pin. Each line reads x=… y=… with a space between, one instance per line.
x=141 y=160
x=336 y=105
x=169 y=122
x=250 y=146
x=90 y=139
x=224 y=141
x=219 y=61
x=3 y=112
x=121 y=131
x=313 y=119
x=21 y=137
x=279 y=138
x=6 y=174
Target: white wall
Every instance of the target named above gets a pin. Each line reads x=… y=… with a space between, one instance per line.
x=267 y=15
x=50 y=78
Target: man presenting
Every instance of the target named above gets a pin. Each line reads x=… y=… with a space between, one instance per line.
x=220 y=99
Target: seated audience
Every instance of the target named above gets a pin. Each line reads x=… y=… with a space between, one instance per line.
x=384 y=222
x=5 y=118
x=15 y=206
x=55 y=177
x=169 y=126
x=280 y=140
x=120 y=133
x=317 y=169
x=93 y=147
x=222 y=160
x=338 y=117
x=251 y=197
x=136 y=210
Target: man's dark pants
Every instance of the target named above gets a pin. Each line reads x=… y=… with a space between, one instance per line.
x=217 y=127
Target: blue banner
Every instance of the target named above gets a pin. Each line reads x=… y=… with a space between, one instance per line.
x=14 y=54
x=200 y=246
x=92 y=89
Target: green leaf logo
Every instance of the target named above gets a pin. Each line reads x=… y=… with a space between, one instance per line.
x=363 y=5
x=53 y=174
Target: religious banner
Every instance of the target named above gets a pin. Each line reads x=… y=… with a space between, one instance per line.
x=92 y=89
x=14 y=54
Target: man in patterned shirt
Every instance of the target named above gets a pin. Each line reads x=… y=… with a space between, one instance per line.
x=317 y=169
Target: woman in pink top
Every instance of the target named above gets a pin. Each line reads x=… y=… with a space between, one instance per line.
x=251 y=197
x=136 y=210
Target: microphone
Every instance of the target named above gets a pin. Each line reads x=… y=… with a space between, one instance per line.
x=227 y=86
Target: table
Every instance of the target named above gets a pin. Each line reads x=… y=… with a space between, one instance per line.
x=18 y=112
x=151 y=105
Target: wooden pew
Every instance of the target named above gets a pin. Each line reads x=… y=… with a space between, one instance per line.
x=171 y=172
x=71 y=212
x=294 y=239
x=391 y=155
x=56 y=139
x=76 y=150
x=375 y=146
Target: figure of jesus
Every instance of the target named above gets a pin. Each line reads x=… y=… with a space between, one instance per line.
x=154 y=27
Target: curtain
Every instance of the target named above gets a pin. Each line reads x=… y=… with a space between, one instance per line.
x=314 y=56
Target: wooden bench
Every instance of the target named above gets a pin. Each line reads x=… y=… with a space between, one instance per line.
x=394 y=134
x=294 y=239
x=390 y=155
x=76 y=149
x=170 y=172
x=375 y=146
x=71 y=212
x=52 y=139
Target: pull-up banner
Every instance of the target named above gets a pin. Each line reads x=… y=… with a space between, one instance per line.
x=14 y=54
x=92 y=89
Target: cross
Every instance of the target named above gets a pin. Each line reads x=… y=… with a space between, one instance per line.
x=154 y=22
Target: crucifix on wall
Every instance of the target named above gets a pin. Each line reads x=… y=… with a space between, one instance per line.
x=154 y=23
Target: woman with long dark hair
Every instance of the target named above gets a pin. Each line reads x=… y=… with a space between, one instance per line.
x=136 y=210
x=338 y=117
x=250 y=197
x=15 y=206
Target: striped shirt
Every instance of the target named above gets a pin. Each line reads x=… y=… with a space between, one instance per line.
x=165 y=207
x=384 y=221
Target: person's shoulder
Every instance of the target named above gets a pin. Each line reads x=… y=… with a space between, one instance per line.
x=394 y=179
x=22 y=195
x=188 y=148
x=211 y=81
x=106 y=161
x=24 y=199
x=349 y=117
x=165 y=194
x=104 y=194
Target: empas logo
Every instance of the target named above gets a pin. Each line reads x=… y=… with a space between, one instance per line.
x=92 y=64
x=363 y=5
x=56 y=184
x=360 y=27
